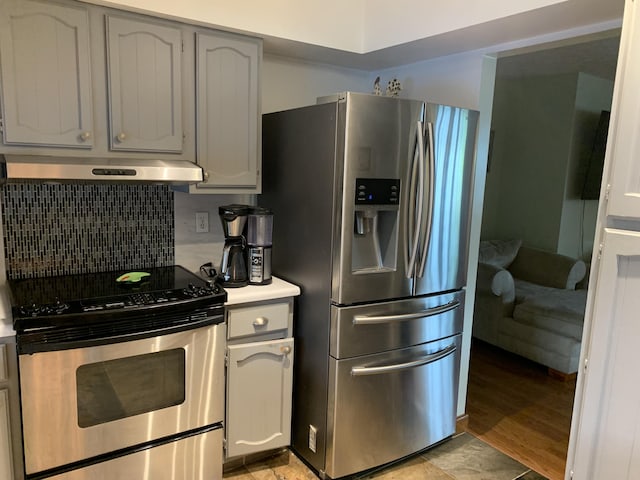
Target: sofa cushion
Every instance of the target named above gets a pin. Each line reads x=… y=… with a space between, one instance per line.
x=499 y=253
x=547 y=268
x=555 y=310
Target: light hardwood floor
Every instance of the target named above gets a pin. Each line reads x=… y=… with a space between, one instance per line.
x=515 y=406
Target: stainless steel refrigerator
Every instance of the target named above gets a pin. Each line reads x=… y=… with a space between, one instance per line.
x=371 y=201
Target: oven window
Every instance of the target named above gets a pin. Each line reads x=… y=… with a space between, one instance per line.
x=130 y=386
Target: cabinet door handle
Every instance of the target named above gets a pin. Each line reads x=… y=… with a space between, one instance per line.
x=205 y=176
x=260 y=322
x=84 y=136
x=286 y=350
x=121 y=137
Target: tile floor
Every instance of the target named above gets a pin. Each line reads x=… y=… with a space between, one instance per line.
x=464 y=457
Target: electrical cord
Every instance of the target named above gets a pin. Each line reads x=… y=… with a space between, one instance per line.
x=207 y=270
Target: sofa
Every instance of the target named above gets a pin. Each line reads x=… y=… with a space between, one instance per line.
x=527 y=303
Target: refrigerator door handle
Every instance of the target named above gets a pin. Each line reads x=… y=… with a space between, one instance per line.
x=431 y=194
x=416 y=197
x=359 y=371
x=372 y=319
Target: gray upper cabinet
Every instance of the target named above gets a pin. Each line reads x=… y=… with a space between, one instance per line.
x=228 y=126
x=145 y=88
x=46 y=80
x=92 y=81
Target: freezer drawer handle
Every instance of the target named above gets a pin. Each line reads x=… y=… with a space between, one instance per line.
x=357 y=371
x=370 y=319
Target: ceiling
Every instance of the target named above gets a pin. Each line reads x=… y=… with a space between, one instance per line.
x=565 y=20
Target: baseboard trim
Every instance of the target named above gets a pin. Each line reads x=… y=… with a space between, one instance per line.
x=565 y=377
x=462 y=423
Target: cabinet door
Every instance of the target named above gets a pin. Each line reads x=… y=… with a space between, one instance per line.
x=145 y=92
x=606 y=435
x=228 y=123
x=6 y=469
x=46 y=81
x=624 y=143
x=259 y=383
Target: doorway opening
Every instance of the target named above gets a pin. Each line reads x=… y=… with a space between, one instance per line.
x=547 y=106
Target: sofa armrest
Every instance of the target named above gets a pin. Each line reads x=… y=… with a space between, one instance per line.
x=547 y=268
x=495 y=295
x=497 y=281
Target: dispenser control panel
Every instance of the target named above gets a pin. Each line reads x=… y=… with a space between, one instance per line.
x=377 y=191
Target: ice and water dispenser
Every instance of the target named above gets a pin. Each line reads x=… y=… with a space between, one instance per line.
x=375 y=229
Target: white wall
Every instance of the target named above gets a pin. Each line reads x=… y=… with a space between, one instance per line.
x=578 y=222
x=354 y=26
x=543 y=130
x=453 y=80
x=402 y=21
x=531 y=145
x=330 y=23
x=289 y=84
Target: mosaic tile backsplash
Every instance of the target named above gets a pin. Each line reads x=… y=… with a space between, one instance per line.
x=79 y=228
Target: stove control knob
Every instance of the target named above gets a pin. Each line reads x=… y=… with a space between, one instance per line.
x=60 y=307
x=190 y=291
x=32 y=310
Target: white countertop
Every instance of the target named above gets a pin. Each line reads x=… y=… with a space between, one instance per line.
x=278 y=288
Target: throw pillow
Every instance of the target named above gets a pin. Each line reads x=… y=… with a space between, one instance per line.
x=499 y=253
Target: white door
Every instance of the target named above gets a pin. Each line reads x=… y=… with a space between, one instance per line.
x=46 y=80
x=609 y=415
x=623 y=147
x=145 y=91
x=259 y=387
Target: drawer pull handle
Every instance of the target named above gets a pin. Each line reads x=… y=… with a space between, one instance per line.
x=285 y=350
x=260 y=322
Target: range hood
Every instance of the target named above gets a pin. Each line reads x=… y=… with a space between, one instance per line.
x=36 y=168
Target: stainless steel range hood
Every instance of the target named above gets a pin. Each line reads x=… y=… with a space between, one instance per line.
x=35 y=168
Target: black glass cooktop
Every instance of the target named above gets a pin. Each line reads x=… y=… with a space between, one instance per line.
x=36 y=299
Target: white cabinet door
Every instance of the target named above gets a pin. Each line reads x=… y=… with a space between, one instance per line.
x=145 y=88
x=624 y=142
x=45 y=68
x=259 y=387
x=605 y=440
x=227 y=112
x=6 y=469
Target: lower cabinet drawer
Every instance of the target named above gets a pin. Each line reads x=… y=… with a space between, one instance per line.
x=258 y=319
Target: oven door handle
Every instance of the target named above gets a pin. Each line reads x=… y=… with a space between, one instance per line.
x=359 y=371
x=42 y=341
x=372 y=319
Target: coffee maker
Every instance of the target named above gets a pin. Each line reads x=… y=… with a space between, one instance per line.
x=259 y=233
x=233 y=267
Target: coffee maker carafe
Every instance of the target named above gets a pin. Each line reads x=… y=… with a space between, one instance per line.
x=233 y=267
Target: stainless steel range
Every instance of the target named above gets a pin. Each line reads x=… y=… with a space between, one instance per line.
x=121 y=379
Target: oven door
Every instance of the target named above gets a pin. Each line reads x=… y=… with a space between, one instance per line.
x=85 y=402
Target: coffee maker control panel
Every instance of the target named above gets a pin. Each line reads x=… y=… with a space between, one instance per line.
x=377 y=191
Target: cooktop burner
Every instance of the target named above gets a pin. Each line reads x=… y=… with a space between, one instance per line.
x=54 y=301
